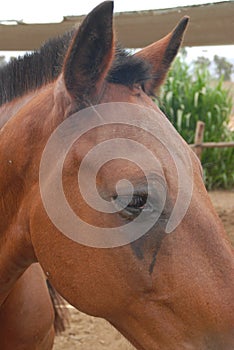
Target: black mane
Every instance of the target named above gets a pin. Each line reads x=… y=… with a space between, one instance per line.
x=43 y=66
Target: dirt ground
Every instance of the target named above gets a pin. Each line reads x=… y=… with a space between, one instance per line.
x=89 y=333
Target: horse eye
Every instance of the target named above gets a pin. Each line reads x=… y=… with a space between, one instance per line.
x=137 y=202
x=133 y=207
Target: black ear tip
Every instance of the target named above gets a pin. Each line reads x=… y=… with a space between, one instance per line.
x=111 y=4
x=184 y=22
x=181 y=26
x=105 y=6
x=185 y=19
x=102 y=13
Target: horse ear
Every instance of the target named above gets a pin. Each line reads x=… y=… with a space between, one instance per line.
x=90 y=54
x=161 y=54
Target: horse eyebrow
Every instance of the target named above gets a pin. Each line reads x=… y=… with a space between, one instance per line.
x=43 y=66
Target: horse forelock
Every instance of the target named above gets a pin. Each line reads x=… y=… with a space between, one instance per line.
x=43 y=66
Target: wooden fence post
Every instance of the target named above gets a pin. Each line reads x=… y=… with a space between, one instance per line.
x=199 y=134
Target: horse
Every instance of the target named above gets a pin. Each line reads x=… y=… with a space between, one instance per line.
x=132 y=238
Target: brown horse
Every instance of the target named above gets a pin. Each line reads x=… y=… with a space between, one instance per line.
x=168 y=285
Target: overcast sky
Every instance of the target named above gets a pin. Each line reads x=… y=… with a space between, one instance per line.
x=53 y=11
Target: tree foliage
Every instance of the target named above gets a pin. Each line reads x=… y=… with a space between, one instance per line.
x=223 y=68
x=202 y=62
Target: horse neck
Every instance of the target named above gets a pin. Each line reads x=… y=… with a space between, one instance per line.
x=12 y=241
x=10 y=109
x=28 y=124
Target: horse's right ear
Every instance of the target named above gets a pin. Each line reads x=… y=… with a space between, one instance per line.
x=90 y=55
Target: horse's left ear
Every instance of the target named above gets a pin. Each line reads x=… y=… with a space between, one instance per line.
x=90 y=55
x=161 y=54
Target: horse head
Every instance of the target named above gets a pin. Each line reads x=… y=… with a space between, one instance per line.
x=114 y=205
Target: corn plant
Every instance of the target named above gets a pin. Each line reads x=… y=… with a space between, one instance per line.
x=191 y=96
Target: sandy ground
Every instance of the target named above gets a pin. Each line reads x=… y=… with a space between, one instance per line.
x=88 y=333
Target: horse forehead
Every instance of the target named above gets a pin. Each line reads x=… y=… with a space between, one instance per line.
x=142 y=122
x=139 y=133
x=124 y=101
